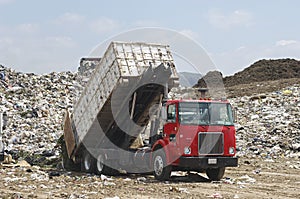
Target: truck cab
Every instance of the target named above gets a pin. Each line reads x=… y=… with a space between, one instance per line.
x=197 y=135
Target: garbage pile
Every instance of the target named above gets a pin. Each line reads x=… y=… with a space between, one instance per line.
x=268 y=124
x=35 y=106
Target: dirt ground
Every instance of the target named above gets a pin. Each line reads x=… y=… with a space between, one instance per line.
x=254 y=178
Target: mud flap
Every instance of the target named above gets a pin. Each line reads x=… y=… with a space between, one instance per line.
x=68 y=134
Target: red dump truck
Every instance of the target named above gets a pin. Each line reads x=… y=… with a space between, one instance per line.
x=124 y=122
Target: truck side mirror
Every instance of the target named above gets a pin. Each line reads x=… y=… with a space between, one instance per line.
x=235 y=115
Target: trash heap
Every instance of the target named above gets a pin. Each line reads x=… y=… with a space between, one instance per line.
x=35 y=106
x=268 y=124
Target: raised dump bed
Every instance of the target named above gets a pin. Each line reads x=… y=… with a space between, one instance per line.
x=128 y=80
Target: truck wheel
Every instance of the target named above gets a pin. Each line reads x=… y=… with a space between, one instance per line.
x=102 y=168
x=161 y=170
x=87 y=162
x=100 y=164
x=215 y=174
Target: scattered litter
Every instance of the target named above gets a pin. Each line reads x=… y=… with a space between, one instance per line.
x=116 y=197
x=105 y=178
x=256 y=171
x=106 y=183
x=127 y=180
x=245 y=180
x=228 y=180
x=42 y=186
x=179 y=190
x=287 y=92
x=142 y=179
x=54 y=173
x=8 y=159
x=215 y=195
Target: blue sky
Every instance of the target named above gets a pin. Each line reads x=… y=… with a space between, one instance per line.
x=45 y=36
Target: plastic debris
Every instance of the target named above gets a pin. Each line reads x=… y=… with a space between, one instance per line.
x=142 y=179
x=236 y=196
x=106 y=183
x=178 y=189
x=246 y=180
x=215 y=195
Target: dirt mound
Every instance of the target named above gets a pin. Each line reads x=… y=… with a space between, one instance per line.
x=212 y=78
x=265 y=70
x=262 y=76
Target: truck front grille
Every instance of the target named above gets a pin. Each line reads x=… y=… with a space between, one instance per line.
x=211 y=143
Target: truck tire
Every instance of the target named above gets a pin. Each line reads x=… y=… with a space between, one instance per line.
x=215 y=174
x=87 y=162
x=161 y=170
x=102 y=168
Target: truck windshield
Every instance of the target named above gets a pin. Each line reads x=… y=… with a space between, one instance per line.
x=196 y=113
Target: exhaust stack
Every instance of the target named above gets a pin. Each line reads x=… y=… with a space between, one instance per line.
x=203 y=92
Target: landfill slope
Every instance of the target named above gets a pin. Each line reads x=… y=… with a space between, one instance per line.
x=35 y=107
x=268 y=144
x=268 y=124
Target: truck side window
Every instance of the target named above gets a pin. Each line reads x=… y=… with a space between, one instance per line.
x=171 y=113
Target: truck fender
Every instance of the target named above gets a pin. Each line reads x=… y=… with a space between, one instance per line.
x=160 y=144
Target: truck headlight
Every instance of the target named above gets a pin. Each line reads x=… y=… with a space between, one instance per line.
x=231 y=150
x=187 y=150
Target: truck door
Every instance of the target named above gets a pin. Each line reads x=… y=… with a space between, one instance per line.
x=171 y=129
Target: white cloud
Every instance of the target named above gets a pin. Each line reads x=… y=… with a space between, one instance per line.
x=238 y=18
x=236 y=60
x=6 y=40
x=61 y=41
x=284 y=48
x=31 y=47
x=70 y=18
x=103 y=25
x=28 y=28
x=285 y=42
x=38 y=54
x=2 y=2
x=75 y=22
x=4 y=30
x=146 y=23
